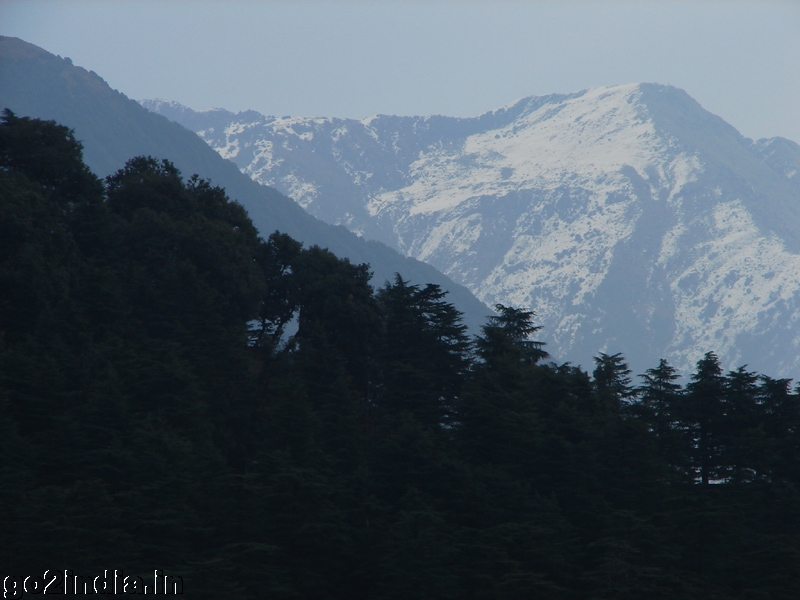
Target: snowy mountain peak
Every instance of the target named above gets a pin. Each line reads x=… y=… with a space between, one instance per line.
x=594 y=134
x=628 y=217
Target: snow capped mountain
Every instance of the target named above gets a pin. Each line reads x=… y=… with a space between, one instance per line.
x=628 y=217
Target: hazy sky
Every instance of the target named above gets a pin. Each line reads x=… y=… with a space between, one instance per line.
x=739 y=59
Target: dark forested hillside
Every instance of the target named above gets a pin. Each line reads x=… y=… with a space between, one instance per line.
x=250 y=415
x=113 y=128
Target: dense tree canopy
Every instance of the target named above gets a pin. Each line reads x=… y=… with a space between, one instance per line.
x=177 y=393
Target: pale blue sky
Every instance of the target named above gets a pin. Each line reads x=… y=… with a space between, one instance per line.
x=739 y=59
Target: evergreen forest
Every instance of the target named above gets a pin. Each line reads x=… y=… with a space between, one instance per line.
x=178 y=393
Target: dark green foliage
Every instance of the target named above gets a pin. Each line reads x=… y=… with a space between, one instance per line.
x=660 y=402
x=177 y=393
x=611 y=382
x=507 y=333
x=424 y=353
x=48 y=156
x=702 y=413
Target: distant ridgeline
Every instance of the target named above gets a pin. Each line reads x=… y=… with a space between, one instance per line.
x=157 y=412
x=114 y=128
x=629 y=217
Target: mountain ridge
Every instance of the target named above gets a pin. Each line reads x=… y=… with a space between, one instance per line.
x=114 y=128
x=630 y=218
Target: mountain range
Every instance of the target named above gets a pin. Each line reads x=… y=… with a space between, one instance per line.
x=628 y=217
x=114 y=128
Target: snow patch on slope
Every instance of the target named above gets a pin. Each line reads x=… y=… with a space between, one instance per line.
x=595 y=209
x=732 y=287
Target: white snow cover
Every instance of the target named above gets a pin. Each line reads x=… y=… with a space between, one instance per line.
x=588 y=137
x=738 y=277
x=594 y=209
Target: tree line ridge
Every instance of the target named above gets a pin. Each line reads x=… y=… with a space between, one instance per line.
x=253 y=416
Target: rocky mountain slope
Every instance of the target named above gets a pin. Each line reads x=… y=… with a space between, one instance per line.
x=631 y=219
x=113 y=128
